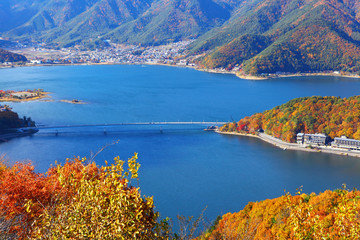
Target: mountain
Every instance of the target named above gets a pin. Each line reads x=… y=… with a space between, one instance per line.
x=14 y=13
x=302 y=35
x=66 y=22
x=148 y=22
x=173 y=20
x=6 y=56
x=258 y=36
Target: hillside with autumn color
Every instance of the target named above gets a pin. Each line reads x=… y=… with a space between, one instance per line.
x=10 y=120
x=328 y=215
x=333 y=116
x=302 y=36
x=6 y=56
x=252 y=37
x=83 y=200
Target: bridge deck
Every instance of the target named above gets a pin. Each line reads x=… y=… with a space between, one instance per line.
x=126 y=124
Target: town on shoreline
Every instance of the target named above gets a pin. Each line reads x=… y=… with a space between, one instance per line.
x=172 y=54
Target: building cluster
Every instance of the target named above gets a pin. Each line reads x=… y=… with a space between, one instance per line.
x=320 y=139
x=115 y=53
x=21 y=94
x=344 y=142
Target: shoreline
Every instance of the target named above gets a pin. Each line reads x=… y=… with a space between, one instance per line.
x=237 y=74
x=294 y=146
x=8 y=136
x=272 y=76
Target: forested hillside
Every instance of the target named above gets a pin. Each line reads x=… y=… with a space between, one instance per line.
x=146 y=22
x=303 y=36
x=172 y=21
x=14 y=13
x=328 y=215
x=334 y=116
x=10 y=119
x=6 y=56
x=66 y=23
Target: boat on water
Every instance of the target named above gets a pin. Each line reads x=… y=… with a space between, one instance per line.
x=211 y=128
x=27 y=131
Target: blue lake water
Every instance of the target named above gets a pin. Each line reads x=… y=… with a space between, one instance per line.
x=185 y=169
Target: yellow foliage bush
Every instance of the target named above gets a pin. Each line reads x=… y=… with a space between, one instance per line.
x=98 y=203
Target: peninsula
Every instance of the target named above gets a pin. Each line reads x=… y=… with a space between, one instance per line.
x=308 y=124
x=11 y=125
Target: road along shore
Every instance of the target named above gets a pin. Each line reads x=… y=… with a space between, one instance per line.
x=294 y=146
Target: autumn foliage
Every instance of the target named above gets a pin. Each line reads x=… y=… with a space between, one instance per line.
x=6 y=56
x=334 y=116
x=76 y=200
x=328 y=215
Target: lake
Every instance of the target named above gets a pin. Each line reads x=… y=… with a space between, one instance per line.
x=185 y=168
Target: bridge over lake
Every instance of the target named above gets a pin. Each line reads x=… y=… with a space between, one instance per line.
x=132 y=124
x=126 y=127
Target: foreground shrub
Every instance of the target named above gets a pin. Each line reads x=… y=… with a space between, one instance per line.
x=77 y=201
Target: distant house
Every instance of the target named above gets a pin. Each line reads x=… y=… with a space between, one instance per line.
x=344 y=142
x=182 y=62
x=36 y=61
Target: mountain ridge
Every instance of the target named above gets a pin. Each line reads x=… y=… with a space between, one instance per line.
x=282 y=35
x=295 y=28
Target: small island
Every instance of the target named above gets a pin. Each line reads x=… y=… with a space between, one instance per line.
x=74 y=101
x=22 y=96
